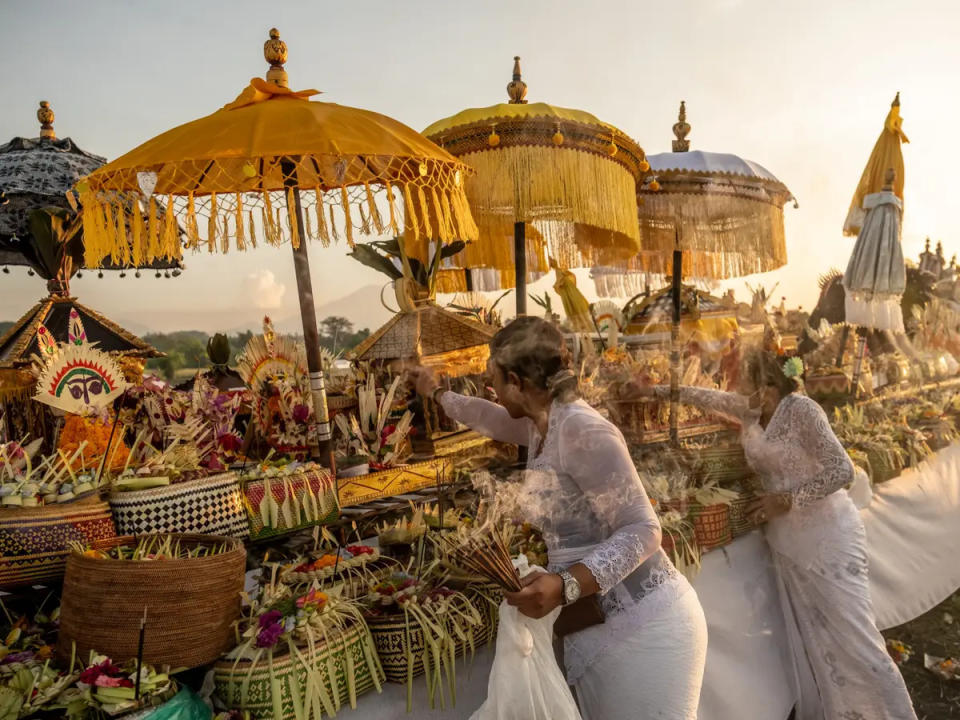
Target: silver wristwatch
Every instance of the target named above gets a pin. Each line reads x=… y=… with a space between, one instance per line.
x=571 y=587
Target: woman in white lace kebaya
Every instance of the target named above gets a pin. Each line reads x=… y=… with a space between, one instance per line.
x=843 y=671
x=603 y=537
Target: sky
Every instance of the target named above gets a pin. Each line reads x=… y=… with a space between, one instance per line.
x=800 y=87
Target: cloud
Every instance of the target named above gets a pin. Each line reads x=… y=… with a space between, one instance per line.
x=263 y=290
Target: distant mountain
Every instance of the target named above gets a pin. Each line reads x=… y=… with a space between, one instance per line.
x=362 y=307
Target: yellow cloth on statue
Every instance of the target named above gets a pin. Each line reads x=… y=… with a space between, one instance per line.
x=575 y=305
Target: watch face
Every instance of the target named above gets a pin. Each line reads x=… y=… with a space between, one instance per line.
x=571 y=589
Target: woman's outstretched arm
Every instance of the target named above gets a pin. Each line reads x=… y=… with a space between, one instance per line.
x=486 y=418
x=733 y=405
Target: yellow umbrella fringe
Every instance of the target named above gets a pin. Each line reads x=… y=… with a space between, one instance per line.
x=225 y=233
x=193 y=229
x=308 y=228
x=347 y=222
x=253 y=229
x=434 y=203
x=137 y=232
x=424 y=212
x=458 y=229
x=124 y=248
x=264 y=225
x=333 y=227
x=153 y=231
x=91 y=238
x=212 y=224
x=277 y=228
x=238 y=213
x=448 y=215
x=391 y=201
x=373 y=209
x=292 y=219
x=268 y=229
x=364 y=223
x=443 y=216
x=171 y=232
x=109 y=229
x=410 y=219
x=321 y=218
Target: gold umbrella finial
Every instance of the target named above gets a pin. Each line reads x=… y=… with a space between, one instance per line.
x=45 y=116
x=681 y=129
x=517 y=88
x=275 y=53
x=888 y=178
x=896 y=100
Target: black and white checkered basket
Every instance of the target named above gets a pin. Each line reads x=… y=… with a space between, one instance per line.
x=208 y=506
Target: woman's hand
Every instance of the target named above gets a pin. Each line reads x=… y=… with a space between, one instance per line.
x=424 y=380
x=767 y=507
x=541 y=594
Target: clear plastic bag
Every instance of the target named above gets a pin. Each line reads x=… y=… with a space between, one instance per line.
x=525 y=681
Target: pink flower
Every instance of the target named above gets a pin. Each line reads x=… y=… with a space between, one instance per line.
x=271 y=617
x=269 y=636
x=112 y=682
x=301 y=412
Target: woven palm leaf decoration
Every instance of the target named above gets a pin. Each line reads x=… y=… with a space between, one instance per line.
x=76 y=377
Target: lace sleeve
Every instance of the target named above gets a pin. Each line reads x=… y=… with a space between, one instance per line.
x=732 y=405
x=835 y=470
x=486 y=418
x=594 y=454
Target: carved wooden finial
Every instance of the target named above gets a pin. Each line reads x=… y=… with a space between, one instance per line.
x=45 y=116
x=275 y=53
x=517 y=88
x=681 y=129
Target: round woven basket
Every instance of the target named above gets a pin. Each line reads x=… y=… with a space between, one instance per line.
x=33 y=541
x=191 y=604
x=711 y=525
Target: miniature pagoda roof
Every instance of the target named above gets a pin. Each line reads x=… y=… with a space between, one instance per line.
x=428 y=331
x=19 y=343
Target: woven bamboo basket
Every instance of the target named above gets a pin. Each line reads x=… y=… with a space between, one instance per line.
x=711 y=525
x=298 y=487
x=191 y=604
x=740 y=524
x=206 y=506
x=345 y=649
x=33 y=541
x=390 y=637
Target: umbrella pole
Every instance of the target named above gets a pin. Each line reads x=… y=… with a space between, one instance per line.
x=311 y=335
x=520 y=265
x=844 y=334
x=675 y=350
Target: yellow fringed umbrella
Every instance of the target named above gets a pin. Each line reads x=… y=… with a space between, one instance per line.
x=886 y=155
x=243 y=174
x=561 y=176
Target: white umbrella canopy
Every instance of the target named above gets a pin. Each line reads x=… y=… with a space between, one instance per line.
x=723 y=211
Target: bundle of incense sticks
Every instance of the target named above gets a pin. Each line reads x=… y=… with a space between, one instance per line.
x=483 y=552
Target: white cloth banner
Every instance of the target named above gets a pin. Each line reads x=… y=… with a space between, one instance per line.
x=913 y=534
